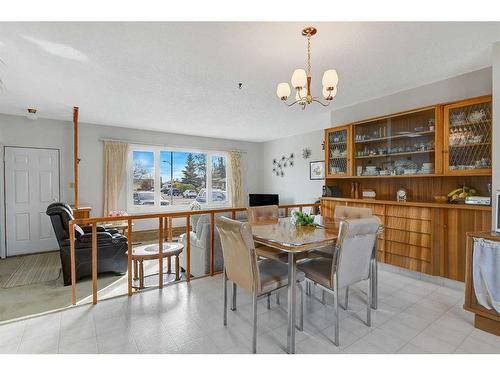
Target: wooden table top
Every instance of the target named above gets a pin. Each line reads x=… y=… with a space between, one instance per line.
x=150 y=251
x=284 y=235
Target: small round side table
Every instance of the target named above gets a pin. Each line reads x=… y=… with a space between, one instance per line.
x=151 y=252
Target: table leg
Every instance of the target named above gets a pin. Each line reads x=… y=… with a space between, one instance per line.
x=169 y=265
x=177 y=273
x=141 y=274
x=291 y=302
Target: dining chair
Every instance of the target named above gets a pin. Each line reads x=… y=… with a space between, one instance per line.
x=340 y=213
x=241 y=267
x=351 y=262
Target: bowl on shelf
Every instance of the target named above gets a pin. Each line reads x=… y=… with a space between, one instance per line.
x=441 y=199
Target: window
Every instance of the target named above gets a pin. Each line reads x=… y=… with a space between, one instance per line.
x=162 y=178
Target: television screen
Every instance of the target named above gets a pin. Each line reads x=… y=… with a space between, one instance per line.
x=263 y=200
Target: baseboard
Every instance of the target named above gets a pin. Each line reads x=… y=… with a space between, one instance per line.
x=438 y=280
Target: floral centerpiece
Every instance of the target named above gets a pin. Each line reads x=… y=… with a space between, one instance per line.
x=303 y=219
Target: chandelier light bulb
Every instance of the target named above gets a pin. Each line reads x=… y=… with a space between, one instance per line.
x=299 y=78
x=330 y=78
x=283 y=91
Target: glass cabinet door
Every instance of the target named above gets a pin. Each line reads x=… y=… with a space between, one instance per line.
x=398 y=145
x=337 y=151
x=467 y=137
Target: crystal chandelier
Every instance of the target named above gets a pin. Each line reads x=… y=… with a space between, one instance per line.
x=301 y=81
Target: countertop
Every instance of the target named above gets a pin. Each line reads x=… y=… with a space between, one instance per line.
x=413 y=204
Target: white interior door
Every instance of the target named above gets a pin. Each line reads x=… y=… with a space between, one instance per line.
x=31 y=184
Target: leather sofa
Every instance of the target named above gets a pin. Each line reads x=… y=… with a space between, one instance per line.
x=200 y=247
x=111 y=246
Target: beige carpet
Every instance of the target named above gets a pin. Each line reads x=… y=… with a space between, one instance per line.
x=34 y=269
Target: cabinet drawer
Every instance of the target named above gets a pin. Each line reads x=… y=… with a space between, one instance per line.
x=411 y=238
x=409 y=212
x=411 y=225
x=411 y=251
x=377 y=209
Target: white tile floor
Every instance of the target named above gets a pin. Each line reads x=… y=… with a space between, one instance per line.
x=414 y=316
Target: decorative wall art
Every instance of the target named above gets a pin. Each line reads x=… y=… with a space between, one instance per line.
x=280 y=165
x=317 y=170
x=306 y=153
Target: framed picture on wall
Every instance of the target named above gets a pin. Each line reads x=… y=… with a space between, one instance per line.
x=317 y=170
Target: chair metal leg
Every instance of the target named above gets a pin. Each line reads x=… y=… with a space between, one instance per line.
x=374 y=288
x=323 y=296
x=336 y=308
x=269 y=301
x=233 y=306
x=301 y=321
x=369 y=302
x=254 y=337
x=278 y=298
x=346 y=302
x=225 y=298
x=308 y=288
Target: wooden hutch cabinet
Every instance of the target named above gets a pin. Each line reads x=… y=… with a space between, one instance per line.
x=428 y=152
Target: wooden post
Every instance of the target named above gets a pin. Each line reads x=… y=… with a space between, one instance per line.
x=160 y=253
x=170 y=230
x=212 y=243
x=188 y=248
x=129 y=256
x=72 y=260
x=75 y=154
x=233 y=214
x=94 y=263
x=286 y=211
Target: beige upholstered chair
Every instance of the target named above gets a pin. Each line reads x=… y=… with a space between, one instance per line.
x=352 y=261
x=259 y=278
x=266 y=214
x=342 y=213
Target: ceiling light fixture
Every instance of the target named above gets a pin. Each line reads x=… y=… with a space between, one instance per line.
x=32 y=114
x=301 y=81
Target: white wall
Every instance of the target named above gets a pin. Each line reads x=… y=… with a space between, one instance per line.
x=295 y=186
x=19 y=131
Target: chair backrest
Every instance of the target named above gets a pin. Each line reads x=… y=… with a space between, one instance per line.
x=60 y=216
x=346 y=212
x=355 y=250
x=263 y=213
x=238 y=249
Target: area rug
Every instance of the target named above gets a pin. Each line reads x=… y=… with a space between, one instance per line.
x=34 y=269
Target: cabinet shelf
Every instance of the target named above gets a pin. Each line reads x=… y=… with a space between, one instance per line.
x=397 y=136
x=395 y=154
x=471 y=145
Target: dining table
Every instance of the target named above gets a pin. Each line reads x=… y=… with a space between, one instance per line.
x=295 y=240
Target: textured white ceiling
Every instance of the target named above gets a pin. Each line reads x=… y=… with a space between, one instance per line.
x=183 y=77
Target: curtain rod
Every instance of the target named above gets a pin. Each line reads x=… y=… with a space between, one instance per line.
x=164 y=145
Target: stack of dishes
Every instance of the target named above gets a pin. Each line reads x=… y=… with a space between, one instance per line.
x=427 y=168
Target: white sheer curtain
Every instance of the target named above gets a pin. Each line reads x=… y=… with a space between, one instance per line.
x=236 y=179
x=115 y=162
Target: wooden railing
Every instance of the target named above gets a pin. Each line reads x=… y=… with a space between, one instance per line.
x=164 y=231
